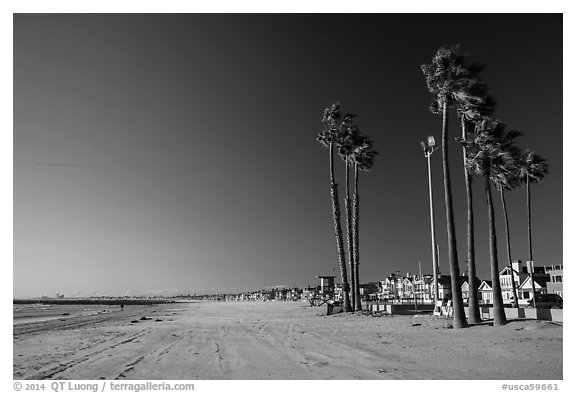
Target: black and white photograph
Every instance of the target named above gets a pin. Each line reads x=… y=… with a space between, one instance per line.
x=207 y=196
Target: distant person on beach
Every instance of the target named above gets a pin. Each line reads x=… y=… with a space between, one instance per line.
x=121 y=307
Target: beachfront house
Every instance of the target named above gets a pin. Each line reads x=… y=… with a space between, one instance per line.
x=406 y=288
x=388 y=288
x=555 y=285
x=295 y=294
x=506 y=276
x=308 y=293
x=338 y=292
x=419 y=288
x=423 y=287
x=518 y=273
x=465 y=287
x=485 y=290
x=444 y=286
x=281 y=293
x=525 y=289
x=369 y=289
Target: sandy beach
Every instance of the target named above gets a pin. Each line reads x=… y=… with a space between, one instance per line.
x=275 y=340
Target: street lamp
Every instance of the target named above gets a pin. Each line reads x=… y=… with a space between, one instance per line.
x=429 y=147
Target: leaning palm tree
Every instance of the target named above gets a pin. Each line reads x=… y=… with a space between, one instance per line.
x=533 y=169
x=348 y=141
x=488 y=157
x=363 y=157
x=329 y=137
x=446 y=77
x=473 y=103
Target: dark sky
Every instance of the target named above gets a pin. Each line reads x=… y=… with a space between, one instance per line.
x=178 y=151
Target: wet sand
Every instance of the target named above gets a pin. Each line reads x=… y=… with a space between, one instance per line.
x=277 y=340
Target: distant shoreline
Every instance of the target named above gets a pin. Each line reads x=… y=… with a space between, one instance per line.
x=88 y=301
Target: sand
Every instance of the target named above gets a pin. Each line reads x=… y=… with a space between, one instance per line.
x=277 y=340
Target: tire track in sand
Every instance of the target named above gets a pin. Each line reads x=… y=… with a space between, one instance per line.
x=62 y=367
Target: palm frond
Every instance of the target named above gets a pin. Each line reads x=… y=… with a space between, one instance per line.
x=331 y=123
x=533 y=166
x=493 y=154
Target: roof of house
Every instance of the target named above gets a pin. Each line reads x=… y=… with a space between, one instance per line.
x=486 y=283
x=446 y=281
x=507 y=270
x=540 y=280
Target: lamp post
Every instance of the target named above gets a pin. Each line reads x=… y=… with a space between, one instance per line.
x=429 y=148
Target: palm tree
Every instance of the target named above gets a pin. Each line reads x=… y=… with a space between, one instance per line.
x=488 y=157
x=446 y=77
x=328 y=137
x=533 y=169
x=472 y=104
x=348 y=141
x=363 y=157
x=507 y=180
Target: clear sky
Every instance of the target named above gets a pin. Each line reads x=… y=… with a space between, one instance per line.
x=178 y=151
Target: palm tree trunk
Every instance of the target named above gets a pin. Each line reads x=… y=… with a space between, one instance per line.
x=530 y=240
x=473 y=305
x=514 y=295
x=529 y=218
x=338 y=233
x=356 y=217
x=350 y=236
x=499 y=315
x=459 y=315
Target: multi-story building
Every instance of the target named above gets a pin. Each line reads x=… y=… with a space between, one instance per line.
x=555 y=284
x=518 y=273
x=388 y=288
x=423 y=287
x=405 y=288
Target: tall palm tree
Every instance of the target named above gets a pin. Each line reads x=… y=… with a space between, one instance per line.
x=446 y=77
x=533 y=169
x=487 y=157
x=329 y=137
x=473 y=104
x=348 y=141
x=363 y=157
x=507 y=180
